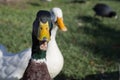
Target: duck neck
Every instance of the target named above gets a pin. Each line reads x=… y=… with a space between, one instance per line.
x=36 y=52
x=54 y=31
x=39 y=55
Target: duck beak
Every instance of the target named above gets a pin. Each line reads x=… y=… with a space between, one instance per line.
x=43 y=32
x=61 y=25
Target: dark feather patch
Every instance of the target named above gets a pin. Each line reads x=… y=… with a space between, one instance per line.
x=36 y=71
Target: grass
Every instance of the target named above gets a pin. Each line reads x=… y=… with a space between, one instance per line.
x=90 y=46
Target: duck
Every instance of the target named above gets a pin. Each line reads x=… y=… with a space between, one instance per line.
x=54 y=56
x=104 y=10
x=44 y=52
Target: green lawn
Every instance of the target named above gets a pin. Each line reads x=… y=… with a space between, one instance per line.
x=90 y=46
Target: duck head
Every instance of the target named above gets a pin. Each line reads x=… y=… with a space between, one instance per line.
x=44 y=22
x=42 y=26
x=41 y=32
x=57 y=18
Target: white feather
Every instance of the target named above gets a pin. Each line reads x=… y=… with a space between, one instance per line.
x=54 y=57
x=57 y=13
x=12 y=66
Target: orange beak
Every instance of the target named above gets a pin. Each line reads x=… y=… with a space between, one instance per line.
x=61 y=25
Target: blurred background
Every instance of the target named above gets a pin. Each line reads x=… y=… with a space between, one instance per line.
x=91 y=46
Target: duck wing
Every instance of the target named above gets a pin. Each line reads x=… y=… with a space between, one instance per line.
x=12 y=66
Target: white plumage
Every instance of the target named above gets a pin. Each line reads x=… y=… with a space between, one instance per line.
x=12 y=66
x=54 y=57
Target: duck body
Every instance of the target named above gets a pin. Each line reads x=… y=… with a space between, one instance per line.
x=12 y=66
x=104 y=10
x=36 y=70
x=54 y=58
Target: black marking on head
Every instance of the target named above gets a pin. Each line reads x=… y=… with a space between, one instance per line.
x=36 y=71
x=42 y=16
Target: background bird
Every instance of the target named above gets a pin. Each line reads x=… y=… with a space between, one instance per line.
x=104 y=10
